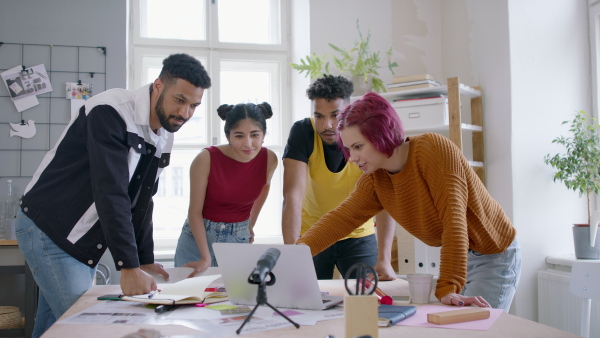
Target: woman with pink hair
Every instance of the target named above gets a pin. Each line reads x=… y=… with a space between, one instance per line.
x=426 y=184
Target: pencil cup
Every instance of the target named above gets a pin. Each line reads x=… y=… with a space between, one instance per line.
x=361 y=315
x=419 y=285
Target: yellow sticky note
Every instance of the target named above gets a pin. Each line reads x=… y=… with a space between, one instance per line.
x=221 y=307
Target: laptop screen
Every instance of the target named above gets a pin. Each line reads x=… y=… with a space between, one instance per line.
x=296 y=284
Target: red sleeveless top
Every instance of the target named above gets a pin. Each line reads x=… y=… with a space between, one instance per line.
x=233 y=186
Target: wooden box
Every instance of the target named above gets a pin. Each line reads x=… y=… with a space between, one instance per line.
x=458 y=316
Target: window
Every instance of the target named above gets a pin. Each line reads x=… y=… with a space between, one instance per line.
x=241 y=45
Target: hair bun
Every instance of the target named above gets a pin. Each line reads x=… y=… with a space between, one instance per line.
x=265 y=108
x=223 y=110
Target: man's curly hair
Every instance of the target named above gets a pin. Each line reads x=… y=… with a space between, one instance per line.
x=185 y=67
x=331 y=88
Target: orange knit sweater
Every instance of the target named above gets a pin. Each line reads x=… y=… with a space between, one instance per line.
x=437 y=197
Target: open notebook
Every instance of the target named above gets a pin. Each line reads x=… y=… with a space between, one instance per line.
x=186 y=291
x=295 y=285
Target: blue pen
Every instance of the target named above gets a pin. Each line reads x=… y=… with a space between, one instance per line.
x=152 y=293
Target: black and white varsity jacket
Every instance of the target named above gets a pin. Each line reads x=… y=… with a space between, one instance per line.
x=94 y=189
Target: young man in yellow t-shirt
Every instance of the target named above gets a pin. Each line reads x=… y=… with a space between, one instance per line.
x=317 y=179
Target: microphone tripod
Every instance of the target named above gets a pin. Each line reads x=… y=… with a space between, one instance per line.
x=261 y=299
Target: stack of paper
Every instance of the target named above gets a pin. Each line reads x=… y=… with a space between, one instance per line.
x=412 y=82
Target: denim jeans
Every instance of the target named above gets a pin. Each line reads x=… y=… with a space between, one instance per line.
x=494 y=277
x=216 y=232
x=61 y=278
x=344 y=254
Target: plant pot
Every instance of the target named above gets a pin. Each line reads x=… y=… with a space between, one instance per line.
x=581 y=238
x=360 y=86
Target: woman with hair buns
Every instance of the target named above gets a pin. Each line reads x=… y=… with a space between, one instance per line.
x=229 y=184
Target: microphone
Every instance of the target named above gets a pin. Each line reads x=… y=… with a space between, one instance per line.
x=264 y=265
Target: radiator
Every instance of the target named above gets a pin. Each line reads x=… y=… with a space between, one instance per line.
x=558 y=308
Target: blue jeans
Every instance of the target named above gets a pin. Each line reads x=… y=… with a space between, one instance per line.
x=494 y=277
x=61 y=278
x=216 y=232
x=344 y=254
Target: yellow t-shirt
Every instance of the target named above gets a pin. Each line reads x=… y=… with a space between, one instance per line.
x=325 y=190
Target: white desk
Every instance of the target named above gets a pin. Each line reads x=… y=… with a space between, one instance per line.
x=506 y=326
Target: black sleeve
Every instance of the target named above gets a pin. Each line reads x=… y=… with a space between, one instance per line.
x=145 y=234
x=106 y=141
x=300 y=143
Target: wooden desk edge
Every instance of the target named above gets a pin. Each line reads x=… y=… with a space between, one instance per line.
x=8 y=242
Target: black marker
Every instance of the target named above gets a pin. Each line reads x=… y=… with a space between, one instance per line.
x=164 y=308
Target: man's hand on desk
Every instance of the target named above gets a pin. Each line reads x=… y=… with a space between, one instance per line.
x=136 y=282
x=385 y=271
x=198 y=266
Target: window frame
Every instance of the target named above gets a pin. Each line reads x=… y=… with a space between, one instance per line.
x=214 y=52
x=212 y=26
x=594 y=36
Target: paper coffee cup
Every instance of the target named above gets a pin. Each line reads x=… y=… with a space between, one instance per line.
x=419 y=285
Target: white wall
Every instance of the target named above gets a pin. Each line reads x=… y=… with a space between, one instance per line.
x=531 y=59
x=335 y=22
x=300 y=47
x=61 y=22
x=549 y=82
x=417 y=37
x=68 y=22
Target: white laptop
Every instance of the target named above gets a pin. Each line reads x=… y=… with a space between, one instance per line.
x=295 y=285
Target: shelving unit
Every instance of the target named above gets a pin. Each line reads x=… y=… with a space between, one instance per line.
x=13 y=263
x=454 y=90
x=414 y=255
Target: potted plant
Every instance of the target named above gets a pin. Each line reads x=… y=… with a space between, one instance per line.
x=579 y=170
x=359 y=63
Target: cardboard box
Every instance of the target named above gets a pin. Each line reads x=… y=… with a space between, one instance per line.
x=458 y=316
x=421 y=115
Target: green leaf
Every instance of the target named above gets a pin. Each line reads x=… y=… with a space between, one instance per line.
x=578 y=168
x=356 y=61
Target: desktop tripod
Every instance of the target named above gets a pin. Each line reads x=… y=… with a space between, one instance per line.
x=261 y=299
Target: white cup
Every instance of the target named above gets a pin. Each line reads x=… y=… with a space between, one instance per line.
x=419 y=285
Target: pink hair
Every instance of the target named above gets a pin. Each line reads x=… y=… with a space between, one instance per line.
x=377 y=121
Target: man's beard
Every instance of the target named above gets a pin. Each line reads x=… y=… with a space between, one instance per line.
x=164 y=119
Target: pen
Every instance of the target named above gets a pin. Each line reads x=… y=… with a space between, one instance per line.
x=164 y=308
x=381 y=297
x=152 y=293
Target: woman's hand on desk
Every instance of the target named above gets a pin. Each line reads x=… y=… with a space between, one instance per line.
x=198 y=266
x=385 y=271
x=460 y=300
x=156 y=269
x=136 y=282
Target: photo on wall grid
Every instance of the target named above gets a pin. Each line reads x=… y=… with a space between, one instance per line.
x=78 y=91
x=26 y=82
